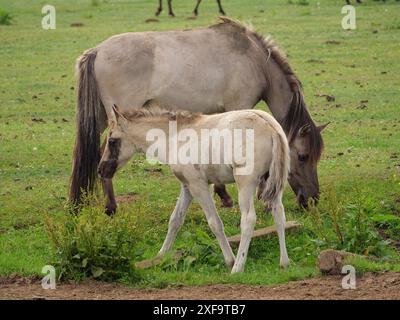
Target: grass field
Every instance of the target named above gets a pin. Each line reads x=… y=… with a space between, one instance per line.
x=359 y=172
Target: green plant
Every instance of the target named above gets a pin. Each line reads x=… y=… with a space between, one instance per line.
x=94 y=3
x=198 y=249
x=345 y=227
x=93 y=245
x=5 y=17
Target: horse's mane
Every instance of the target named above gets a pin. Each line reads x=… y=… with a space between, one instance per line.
x=297 y=115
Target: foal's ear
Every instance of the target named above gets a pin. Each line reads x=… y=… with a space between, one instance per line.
x=322 y=127
x=118 y=115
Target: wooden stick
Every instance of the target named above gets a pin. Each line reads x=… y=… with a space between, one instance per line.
x=265 y=231
x=155 y=261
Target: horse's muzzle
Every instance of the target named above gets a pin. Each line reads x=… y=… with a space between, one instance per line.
x=107 y=169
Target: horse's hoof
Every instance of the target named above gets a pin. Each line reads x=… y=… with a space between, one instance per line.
x=227 y=203
x=111 y=209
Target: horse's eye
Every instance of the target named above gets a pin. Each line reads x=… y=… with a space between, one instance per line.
x=111 y=141
x=303 y=157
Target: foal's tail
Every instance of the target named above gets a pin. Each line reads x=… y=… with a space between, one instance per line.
x=87 y=144
x=278 y=169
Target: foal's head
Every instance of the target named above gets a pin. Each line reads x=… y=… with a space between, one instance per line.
x=119 y=147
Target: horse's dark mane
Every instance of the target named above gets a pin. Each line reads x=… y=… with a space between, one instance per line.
x=297 y=115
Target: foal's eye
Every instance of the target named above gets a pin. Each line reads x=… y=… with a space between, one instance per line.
x=303 y=157
x=111 y=141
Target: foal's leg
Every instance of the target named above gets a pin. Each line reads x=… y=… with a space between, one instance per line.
x=159 y=9
x=202 y=194
x=171 y=13
x=226 y=199
x=278 y=213
x=196 y=9
x=221 y=11
x=247 y=223
x=176 y=219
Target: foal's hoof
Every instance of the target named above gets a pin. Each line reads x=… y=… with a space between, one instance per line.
x=284 y=264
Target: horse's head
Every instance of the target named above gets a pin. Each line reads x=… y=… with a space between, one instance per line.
x=305 y=151
x=119 y=148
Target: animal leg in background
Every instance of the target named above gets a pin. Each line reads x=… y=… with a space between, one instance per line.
x=177 y=218
x=170 y=11
x=221 y=10
x=159 y=9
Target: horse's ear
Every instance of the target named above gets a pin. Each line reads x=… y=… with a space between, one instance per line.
x=304 y=130
x=322 y=127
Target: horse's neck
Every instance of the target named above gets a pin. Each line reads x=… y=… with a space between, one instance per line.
x=279 y=94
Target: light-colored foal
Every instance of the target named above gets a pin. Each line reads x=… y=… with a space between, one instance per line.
x=270 y=159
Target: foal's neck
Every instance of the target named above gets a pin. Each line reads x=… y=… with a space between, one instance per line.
x=140 y=132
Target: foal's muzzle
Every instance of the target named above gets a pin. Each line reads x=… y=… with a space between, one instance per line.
x=107 y=169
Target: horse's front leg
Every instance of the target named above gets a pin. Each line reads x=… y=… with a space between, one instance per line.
x=176 y=220
x=159 y=9
x=111 y=203
x=226 y=199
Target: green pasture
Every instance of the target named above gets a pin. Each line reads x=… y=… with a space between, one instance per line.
x=359 y=172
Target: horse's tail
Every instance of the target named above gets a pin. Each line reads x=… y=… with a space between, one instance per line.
x=278 y=169
x=87 y=144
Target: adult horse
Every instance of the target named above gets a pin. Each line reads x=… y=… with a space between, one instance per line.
x=216 y=69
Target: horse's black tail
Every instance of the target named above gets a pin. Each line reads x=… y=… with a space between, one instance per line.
x=87 y=144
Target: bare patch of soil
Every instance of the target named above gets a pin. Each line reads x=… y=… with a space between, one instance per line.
x=370 y=286
x=126 y=198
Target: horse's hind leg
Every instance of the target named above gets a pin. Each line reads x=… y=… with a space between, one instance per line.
x=108 y=189
x=278 y=213
x=171 y=13
x=202 y=194
x=226 y=199
x=247 y=223
x=221 y=10
x=159 y=9
x=176 y=220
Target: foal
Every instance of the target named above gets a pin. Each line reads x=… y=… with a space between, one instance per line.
x=266 y=157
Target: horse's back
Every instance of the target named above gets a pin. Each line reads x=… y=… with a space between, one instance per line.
x=207 y=69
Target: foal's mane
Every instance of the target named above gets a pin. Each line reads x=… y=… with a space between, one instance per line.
x=297 y=115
